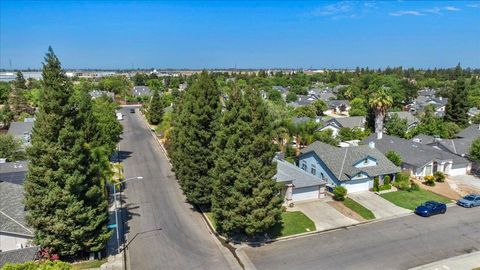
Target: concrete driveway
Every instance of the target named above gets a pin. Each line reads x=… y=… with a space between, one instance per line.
x=380 y=207
x=323 y=215
x=468 y=183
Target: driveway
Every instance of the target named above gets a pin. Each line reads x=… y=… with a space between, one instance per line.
x=323 y=215
x=379 y=206
x=464 y=183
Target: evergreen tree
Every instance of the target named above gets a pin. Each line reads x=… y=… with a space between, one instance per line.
x=63 y=195
x=155 y=110
x=245 y=196
x=195 y=123
x=456 y=110
x=17 y=100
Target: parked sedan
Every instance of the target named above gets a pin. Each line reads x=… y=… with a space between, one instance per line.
x=132 y=110
x=470 y=200
x=431 y=208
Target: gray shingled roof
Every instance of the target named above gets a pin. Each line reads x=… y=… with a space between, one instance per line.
x=349 y=122
x=471 y=132
x=341 y=161
x=20 y=128
x=12 y=212
x=424 y=139
x=405 y=115
x=18 y=255
x=13 y=172
x=457 y=146
x=139 y=91
x=413 y=153
x=98 y=93
x=287 y=172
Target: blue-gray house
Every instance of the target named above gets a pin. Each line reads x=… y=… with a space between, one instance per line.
x=352 y=167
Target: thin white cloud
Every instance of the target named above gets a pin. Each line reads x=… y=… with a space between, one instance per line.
x=406 y=13
x=334 y=9
x=474 y=5
x=435 y=10
x=450 y=8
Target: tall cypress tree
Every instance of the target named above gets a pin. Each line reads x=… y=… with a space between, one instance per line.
x=155 y=110
x=245 y=196
x=17 y=100
x=63 y=196
x=194 y=126
x=456 y=110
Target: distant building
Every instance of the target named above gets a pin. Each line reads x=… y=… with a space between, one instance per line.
x=98 y=93
x=141 y=91
x=335 y=124
x=21 y=131
x=412 y=121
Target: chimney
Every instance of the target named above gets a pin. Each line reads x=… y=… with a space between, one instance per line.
x=371 y=144
x=379 y=135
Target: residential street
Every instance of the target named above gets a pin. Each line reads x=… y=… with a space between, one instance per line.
x=156 y=202
x=400 y=243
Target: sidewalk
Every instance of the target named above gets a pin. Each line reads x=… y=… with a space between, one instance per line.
x=463 y=262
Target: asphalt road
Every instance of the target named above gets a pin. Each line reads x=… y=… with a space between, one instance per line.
x=399 y=243
x=155 y=202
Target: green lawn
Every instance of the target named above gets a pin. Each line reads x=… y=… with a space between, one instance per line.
x=292 y=223
x=89 y=264
x=412 y=199
x=359 y=209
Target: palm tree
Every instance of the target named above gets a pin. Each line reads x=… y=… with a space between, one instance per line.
x=380 y=103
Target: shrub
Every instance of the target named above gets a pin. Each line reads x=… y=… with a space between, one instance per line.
x=394 y=157
x=403 y=177
x=439 y=177
x=429 y=180
x=385 y=187
x=386 y=180
x=375 y=184
x=339 y=193
x=403 y=185
x=414 y=186
x=47 y=265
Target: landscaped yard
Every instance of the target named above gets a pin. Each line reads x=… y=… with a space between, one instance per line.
x=359 y=209
x=412 y=199
x=293 y=223
x=89 y=264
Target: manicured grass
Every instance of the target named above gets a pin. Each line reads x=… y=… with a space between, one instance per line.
x=292 y=223
x=89 y=264
x=412 y=199
x=359 y=209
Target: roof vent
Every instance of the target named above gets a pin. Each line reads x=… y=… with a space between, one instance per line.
x=371 y=144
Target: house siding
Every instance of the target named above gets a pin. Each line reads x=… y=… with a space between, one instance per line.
x=321 y=169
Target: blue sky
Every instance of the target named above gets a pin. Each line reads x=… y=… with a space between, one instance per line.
x=248 y=34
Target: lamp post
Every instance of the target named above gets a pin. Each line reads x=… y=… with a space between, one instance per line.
x=115 y=202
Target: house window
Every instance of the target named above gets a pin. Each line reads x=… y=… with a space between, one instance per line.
x=322 y=176
x=313 y=170
x=304 y=165
x=428 y=170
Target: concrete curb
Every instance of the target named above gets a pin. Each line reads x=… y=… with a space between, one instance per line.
x=462 y=262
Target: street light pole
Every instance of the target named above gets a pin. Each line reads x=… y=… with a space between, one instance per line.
x=116 y=212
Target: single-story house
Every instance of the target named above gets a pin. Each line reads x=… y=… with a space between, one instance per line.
x=14 y=231
x=355 y=168
x=297 y=184
x=141 y=91
x=98 y=93
x=338 y=106
x=412 y=121
x=420 y=159
x=335 y=124
x=21 y=131
x=303 y=100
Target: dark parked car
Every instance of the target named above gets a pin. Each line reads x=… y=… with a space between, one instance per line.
x=470 y=200
x=431 y=208
x=132 y=110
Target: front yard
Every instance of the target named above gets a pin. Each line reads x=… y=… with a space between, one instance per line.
x=359 y=209
x=412 y=199
x=294 y=222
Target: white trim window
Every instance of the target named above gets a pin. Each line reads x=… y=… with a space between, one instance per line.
x=313 y=170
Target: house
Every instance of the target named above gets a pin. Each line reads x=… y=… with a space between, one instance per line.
x=354 y=167
x=182 y=86
x=473 y=111
x=141 y=91
x=323 y=94
x=18 y=256
x=338 y=106
x=21 y=131
x=301 y=120
x=303 y=100
x=461 y=145
x=298 y=185
x=420 y=159
x=412 y=121
x=98 y=93
x=283 y=90
x=335 y=124
x=14 y=231
x=419 y=104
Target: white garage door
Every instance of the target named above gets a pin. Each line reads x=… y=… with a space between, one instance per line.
x=357 y=186
x=458 y=171
x=305 y=193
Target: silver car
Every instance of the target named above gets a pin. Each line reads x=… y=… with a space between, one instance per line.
x=470 y=200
